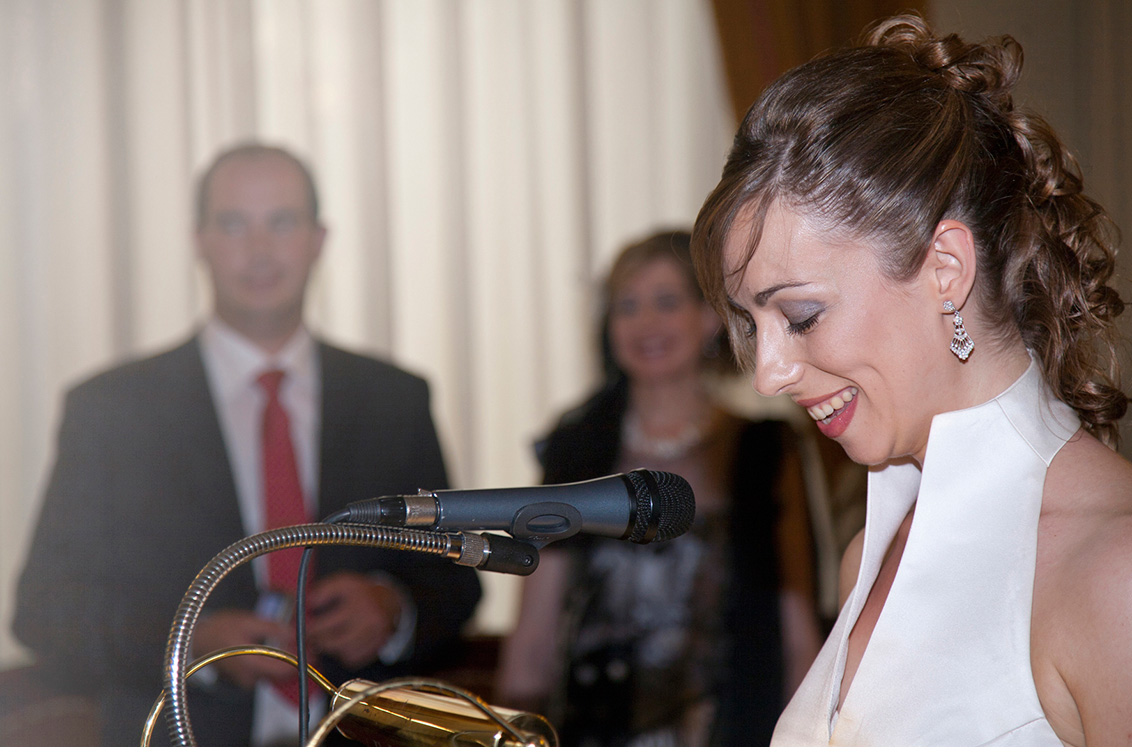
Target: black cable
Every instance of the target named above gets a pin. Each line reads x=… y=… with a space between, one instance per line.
x=301 y=641
x=301 y=630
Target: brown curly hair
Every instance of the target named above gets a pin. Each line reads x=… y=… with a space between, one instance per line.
x=882 y=142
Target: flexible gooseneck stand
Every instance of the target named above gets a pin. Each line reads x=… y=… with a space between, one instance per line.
x=464 y=548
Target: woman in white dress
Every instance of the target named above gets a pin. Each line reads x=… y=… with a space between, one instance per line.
x=911 y=258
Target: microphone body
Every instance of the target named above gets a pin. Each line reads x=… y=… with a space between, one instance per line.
x=606 y=507
x=641 y=506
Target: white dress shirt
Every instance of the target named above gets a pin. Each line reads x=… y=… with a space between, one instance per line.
x=233 y=365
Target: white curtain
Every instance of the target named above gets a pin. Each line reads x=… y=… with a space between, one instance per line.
x=480 y=161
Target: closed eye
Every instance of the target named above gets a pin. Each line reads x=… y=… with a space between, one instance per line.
x=803 y=327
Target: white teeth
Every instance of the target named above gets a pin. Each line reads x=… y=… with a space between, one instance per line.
x=823 y=412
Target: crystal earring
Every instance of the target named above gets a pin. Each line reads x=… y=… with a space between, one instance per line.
x=961 y=343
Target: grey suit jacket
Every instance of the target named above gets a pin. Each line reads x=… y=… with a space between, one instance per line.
x=142 y=496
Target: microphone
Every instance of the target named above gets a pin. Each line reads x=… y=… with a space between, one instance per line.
x=641 y=506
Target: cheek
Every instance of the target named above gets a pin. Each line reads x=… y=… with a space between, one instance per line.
x=688 y=326
x=618 y=326
x=618 y=334
x=870 y=327
x=225 y=254
x=221 y=265
x=301 y=266
x=292 y=255
x=893 y=362
x=839 y=350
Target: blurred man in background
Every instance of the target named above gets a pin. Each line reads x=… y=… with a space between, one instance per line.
x=251 y=424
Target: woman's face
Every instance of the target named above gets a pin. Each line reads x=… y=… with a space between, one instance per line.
x=848 y=344
x=658 y=325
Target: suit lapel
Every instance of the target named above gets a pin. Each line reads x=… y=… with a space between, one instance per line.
x=191 y=415
x=334 y=439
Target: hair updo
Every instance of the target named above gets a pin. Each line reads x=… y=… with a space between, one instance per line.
x=883 y=141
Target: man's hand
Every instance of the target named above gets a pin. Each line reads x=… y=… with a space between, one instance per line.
x=351 y=618
x=229 y=628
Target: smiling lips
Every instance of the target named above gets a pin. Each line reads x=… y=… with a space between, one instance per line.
x=834 y=413
x=652 y=347
x=823 y=412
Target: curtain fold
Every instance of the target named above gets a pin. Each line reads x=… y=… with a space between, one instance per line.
x=480 y=161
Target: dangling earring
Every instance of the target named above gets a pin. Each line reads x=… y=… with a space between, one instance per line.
x=961 y=343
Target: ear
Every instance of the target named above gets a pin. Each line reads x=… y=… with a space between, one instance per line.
x=319 y=239
x=952 y=262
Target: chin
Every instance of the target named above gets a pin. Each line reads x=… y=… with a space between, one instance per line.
x=861 y=454
x=654 y=373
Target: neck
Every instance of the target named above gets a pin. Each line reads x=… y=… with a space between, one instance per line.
x=979 y=380
x=270 y=334
x=993 y=374
x=666 y=408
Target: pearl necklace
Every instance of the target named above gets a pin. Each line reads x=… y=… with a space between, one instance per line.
x=633 y=438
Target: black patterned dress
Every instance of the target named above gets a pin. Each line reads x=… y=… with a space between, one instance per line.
x=679 y=642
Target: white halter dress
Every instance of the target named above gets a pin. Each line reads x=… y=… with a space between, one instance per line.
x=949 y=660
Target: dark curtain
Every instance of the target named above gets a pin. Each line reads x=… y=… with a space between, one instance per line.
x=761 y=39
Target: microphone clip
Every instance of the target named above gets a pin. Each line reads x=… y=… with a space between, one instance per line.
x=542 y=523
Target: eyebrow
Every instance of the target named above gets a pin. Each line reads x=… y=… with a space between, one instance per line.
x=764 y=295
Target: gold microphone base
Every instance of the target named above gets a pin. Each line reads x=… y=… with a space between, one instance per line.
x=403 y=712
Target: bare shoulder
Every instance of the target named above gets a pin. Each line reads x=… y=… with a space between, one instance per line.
x=1088 y=492
x=1083 y=589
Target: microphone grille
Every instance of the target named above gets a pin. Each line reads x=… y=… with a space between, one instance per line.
x=666 y=505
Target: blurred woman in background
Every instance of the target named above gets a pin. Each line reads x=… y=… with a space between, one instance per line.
x=698 y=640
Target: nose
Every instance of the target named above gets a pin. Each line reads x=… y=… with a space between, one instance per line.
x=777 y=367
x=259 y=240
x=644 y=316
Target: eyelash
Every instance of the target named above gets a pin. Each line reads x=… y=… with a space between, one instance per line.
x=803 y=327
x=800 y=328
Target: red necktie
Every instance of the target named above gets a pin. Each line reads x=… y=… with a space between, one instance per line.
x=282 y=490
x=283 y=499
